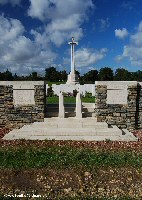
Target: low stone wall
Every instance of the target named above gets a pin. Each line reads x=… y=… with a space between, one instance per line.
x=21 y=102
x=121 y=106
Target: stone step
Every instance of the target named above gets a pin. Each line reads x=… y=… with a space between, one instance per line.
x=88 y=105
x=76 y=138
x=71 y=129
x=68 y=124
x=88 y=109
x=87 y=114
x=71 y=119
x=68 y=131
x=52 y=109
x=70 y=114
x=51 y=114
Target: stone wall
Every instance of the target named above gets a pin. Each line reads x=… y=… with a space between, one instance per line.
x=17 y=115
x=139 y=106
x=125 y=113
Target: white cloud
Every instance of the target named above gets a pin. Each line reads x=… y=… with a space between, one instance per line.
x=87 y=57
x=55 y=9
x=121 y=34
x=104 y=24
x=10 y=29
x=19 y=52
x=12 y=2
x=64 y=19
x=133 y=50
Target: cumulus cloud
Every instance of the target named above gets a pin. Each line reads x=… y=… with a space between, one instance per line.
x=10 y=29
x=121 y=34
x=86 y=57
x=133 y=50
x=54 y=9
x=63 y=19
x=12 y=2
x=20 y=52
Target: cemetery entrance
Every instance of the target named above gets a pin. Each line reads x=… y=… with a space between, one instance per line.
x=67 y=104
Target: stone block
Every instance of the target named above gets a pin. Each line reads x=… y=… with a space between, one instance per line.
x=116 y=114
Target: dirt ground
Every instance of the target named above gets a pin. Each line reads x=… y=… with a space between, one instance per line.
x=108 y=182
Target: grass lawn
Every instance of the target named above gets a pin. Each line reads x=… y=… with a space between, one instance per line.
x=55 y=99
x=66 y=157
x=57 y=83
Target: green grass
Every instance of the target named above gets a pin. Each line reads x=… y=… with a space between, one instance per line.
x=55 y=99
x=66 y=157
x=57 y=83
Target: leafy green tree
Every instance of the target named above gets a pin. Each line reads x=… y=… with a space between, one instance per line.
x=91 y=76
x=7 y=76
x=34 y=76
x=122 y=74
x=136 y=76
x=15 y=77
x=64 y=75
x=51 y=74
x=105 y=74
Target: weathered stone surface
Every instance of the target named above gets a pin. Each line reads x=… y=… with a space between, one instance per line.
x=18 y=115
x=124 y=115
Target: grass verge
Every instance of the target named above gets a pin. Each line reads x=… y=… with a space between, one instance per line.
x=66 y=157
x=55 y=99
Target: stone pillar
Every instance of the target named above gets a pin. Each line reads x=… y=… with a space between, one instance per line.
x=139 y=106
x=101 y=105
x=78 y=106
x=93 y=90
x=61 y=106
x=131 y=110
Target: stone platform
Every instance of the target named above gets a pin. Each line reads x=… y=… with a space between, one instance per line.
x=87 y=129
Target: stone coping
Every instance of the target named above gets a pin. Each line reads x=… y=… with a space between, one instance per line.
x=116 y=85
x=109 y=83
x=22 y=84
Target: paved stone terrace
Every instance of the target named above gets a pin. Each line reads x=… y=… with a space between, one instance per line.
x=70 y=129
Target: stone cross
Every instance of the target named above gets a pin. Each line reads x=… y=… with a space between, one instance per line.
x=72 y=43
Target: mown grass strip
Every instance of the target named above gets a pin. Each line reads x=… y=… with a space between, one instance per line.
x=62 y=157
x=55 y=99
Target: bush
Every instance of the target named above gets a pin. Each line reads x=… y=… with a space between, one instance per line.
x=50 y=92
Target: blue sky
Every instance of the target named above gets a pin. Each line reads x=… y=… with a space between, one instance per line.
x=34 y=34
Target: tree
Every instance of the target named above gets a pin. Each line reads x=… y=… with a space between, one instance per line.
x=136 y=76
x=15 y=77
x=34 y=76
x=52 y=75
x=91 y=76
x=7 y=76
x=64 y=75
x=105 y=74
x=122 y=74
